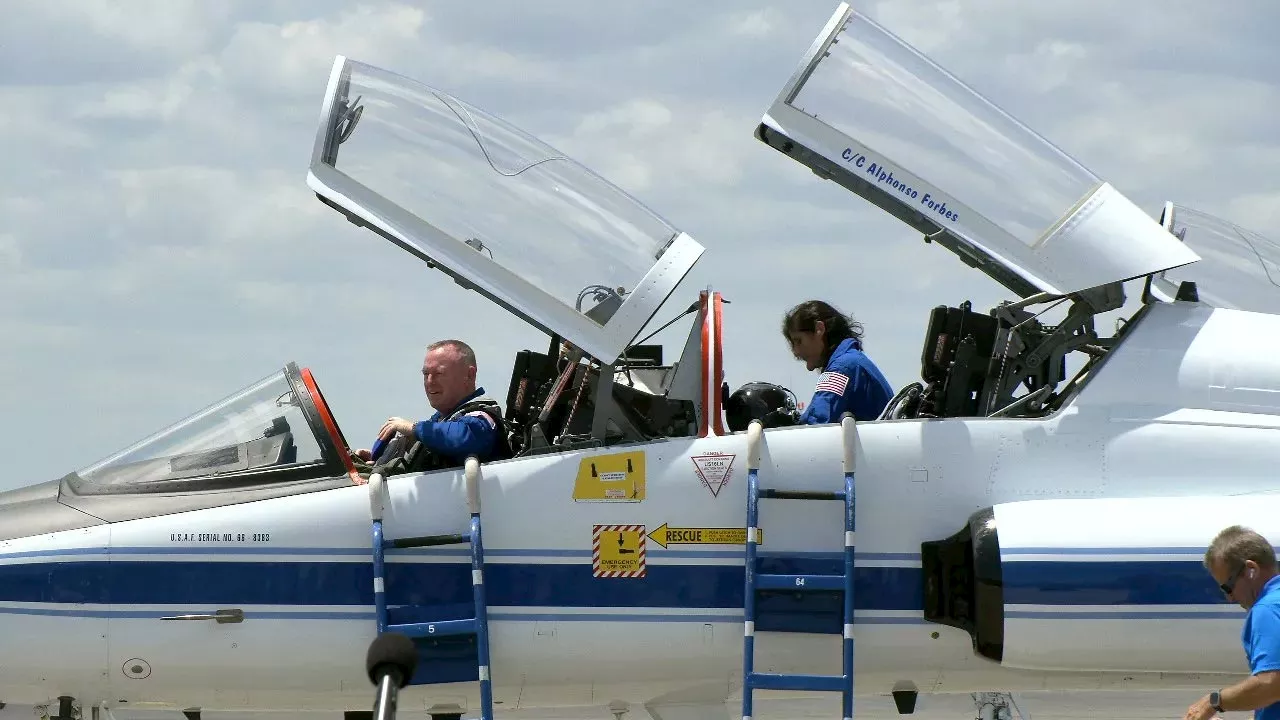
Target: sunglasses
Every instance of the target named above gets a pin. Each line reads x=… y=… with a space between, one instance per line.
x=1230 y=585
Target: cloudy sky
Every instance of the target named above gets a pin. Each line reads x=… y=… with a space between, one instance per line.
x=159 y=247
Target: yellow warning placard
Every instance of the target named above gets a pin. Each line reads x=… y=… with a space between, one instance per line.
x=616 y=477
x=617 y=551
x=665 y=536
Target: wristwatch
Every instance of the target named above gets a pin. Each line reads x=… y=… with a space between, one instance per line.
x=1215 y=701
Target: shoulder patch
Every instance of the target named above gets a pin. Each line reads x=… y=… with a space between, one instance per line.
x=483 y=414
x=832 y=382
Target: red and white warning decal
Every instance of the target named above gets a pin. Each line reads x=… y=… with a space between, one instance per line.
x=618 y=551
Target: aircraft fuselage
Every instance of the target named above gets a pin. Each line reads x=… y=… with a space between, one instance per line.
x=1100 y=515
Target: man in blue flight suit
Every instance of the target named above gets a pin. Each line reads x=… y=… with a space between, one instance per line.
x=1243 y=563
x=466 y=421
x=826 y=339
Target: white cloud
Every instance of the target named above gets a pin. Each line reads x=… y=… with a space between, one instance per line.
x=170 y=26
x=755 y=24
x=283 y=58
x=652 y=148
x=10 y=253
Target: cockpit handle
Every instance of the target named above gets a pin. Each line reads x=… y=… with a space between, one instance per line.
x=471 y=471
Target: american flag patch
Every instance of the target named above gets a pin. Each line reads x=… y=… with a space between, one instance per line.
x=485 y=415
x=832 y=382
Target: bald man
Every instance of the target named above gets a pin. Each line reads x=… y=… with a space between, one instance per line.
x=466 y=421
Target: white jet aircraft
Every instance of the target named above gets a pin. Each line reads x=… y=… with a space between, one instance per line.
x=1017 y=526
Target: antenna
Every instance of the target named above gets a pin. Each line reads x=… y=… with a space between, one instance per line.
x=479 y=246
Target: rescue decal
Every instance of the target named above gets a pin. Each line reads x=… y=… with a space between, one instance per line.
x=618 y=551
x=665 y=536
x=616 y=477
x=714 y=469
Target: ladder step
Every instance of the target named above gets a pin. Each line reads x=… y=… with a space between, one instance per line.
x=444 y=628
x=800 y=582
x=799 y=494
x=428 y=541
x=777 y=681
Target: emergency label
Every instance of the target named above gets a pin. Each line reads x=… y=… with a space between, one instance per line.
x=618 y=551
x=664 y=536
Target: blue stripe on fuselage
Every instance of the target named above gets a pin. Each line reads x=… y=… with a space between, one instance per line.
x=143 y=578
x=1110 y=582
x=186 y=582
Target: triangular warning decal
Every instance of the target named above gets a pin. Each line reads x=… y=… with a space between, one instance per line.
x=713 y=470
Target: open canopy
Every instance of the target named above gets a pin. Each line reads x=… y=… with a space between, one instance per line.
x=1239 y=269
x=873 y=114
x=495 y=208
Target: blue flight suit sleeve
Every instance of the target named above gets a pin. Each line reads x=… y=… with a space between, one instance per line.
x=1262 y=639
x=830 y=399
x=473 y=433
x=851 y=383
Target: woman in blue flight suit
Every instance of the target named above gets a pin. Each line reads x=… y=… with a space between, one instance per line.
x=826 y=339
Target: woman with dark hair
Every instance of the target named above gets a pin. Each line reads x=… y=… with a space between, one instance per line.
x=829 y=341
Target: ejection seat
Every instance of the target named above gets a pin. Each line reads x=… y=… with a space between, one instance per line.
x=567 y=403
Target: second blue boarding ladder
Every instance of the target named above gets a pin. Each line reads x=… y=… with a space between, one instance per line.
x=477 y=625
x=752 y=680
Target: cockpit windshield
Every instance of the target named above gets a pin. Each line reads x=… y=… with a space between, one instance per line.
x=270 y=427
x=1239 y=268
x=488 y=203
x=883 y=120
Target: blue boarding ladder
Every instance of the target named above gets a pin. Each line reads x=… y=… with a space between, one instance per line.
x=476 y=626
x=752 y=680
